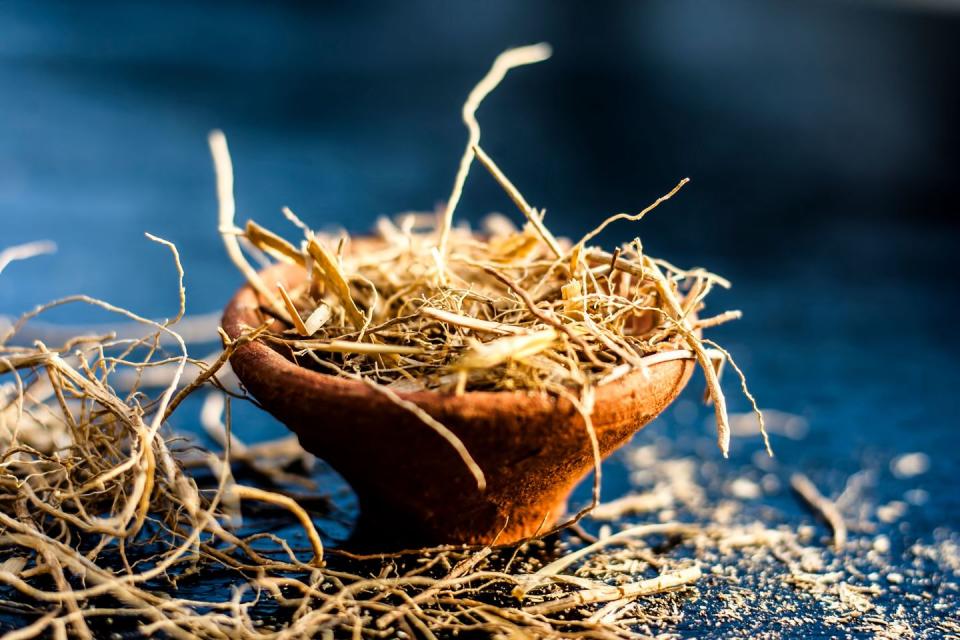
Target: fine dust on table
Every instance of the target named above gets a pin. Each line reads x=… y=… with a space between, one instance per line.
x=768 y=563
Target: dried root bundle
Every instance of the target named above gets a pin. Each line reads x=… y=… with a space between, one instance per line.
x=424 y=304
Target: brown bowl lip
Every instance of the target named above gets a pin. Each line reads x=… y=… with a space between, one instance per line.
x=242 y=306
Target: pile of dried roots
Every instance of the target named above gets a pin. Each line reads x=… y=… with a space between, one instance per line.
x=424 y=304
x=103 y=511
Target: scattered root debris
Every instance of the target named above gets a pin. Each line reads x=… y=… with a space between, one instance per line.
x=808 y=491
x=108 y=519
x=100 y=518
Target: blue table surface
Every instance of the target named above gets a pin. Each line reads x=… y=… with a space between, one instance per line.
x=817 y=136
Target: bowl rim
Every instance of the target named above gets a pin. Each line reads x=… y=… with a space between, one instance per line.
x=244 y=303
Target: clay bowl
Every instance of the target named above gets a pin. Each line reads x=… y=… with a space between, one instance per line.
x=412 y=487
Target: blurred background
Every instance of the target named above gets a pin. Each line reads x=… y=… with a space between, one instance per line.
x=821 y=138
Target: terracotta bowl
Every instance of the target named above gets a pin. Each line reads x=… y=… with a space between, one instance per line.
x=413 y=488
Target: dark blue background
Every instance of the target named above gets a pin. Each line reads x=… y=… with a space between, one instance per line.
x=821 y=139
